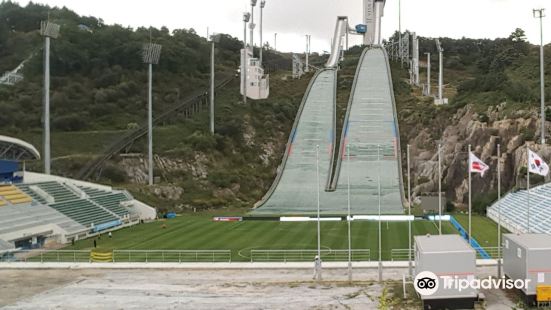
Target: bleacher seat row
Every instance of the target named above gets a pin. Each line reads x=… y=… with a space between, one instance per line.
x=513 y=210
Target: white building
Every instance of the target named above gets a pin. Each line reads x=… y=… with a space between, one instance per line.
x=258 y=84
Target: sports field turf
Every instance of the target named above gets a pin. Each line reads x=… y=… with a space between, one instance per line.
x=199 y=232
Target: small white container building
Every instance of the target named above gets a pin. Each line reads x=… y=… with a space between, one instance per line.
x=450 y=258
x=528 y=256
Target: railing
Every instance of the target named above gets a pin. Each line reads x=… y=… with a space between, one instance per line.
x=123 y=256
x=46 y=256
x=172 y=256
x=308 y=255
x=493 y=252
x=403 y=254
x=400 y=254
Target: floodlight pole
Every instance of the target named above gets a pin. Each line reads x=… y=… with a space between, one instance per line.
x=318 y=203
x=47 y=160
x=379 y=195
x=541 y=15
x=440 y=72
x=428 y=74
x=307 y=69
x=349 y=215
x=410 y=269
x=150 y=124
x=275 y=41
x=499 y=211
x=246 y=17
x=469 y=164
x=212 y=88
x=252 y=25
x=400 y=32
x=262 y=5
x=47 y=30
x=439 y=189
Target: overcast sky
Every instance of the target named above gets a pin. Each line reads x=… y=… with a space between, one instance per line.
x=292 y=19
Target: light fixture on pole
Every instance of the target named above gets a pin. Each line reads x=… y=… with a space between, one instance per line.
x=262 y=5
x=410 y=269
x=306 y=67
x=539 y=13
x=49 y=31
x=245 y=56
x=151 y=55
x=214 y=39
x=318 y=203
x=252 y=24
x=428 y=74
x=349 y=215
x=379 y=195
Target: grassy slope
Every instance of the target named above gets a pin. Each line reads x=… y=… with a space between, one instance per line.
x=199 y=232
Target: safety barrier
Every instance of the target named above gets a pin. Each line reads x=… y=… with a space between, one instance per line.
x=308 y=255
x=46 y=256
x=481 y=252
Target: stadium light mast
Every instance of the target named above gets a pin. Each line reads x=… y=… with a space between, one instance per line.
x=245 y=57
x=428 y=74
x=214 y=39
x=49 y=31
x=307 y=68
x=539 y=13
x=252 y=24
x=262 y=5
x=151 y=55
x=275 y=41
x=440 y=70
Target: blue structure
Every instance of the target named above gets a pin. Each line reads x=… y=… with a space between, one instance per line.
x=361 y=28
x=8 y=171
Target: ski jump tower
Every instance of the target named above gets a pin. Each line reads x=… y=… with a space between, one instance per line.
x=373 y=11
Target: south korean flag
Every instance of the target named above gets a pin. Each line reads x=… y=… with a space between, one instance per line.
x=536 y=164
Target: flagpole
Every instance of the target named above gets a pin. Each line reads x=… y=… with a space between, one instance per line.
x=409 y=214
x=318 y=191
x=379 y=190
x=527 y=188
x=349 y=235
x=469 y=195
x=439 y=189
x=499 y=211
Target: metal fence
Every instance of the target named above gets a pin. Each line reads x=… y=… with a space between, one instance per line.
x=403 y=254
x=308 y=255
x=135 y=256
x=171 y=256
x=45 y=256
x=400 y=254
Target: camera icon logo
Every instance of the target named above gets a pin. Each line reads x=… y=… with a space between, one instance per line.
x=426 y=283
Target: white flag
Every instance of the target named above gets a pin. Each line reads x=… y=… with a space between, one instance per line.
x=536 y=164
x=477 y=165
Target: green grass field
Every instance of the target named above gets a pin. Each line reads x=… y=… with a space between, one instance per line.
x=199 y=232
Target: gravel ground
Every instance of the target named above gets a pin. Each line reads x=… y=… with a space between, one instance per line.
x=209 y=289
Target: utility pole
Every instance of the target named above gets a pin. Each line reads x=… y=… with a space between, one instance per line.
x=262 y=5
x=49 y=31
x=245 y=58
x=307 y=68
x=400 y=32
x=151 y=56
x=213 y=39
x=428 y=74
x=539 y=13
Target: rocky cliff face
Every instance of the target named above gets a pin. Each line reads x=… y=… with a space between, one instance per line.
x=484 y=132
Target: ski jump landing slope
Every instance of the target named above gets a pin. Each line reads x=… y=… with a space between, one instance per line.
x=371 y=130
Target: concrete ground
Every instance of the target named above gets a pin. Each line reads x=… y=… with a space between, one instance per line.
x=210 y=289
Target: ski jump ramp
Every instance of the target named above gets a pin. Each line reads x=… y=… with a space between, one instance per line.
x=371 y=130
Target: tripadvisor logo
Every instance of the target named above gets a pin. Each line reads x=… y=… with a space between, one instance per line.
x=426 y=283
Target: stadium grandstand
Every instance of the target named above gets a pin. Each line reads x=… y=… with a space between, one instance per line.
x=36 y=209
x=513 y=210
